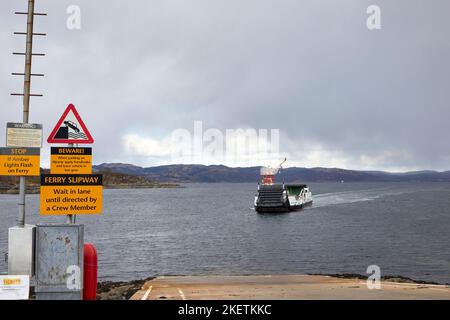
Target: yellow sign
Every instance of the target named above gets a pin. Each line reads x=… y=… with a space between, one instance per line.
x=71 y=160
x=22 y=162
x=71 y=194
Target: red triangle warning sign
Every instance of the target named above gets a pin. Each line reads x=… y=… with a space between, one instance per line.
x=70 y=129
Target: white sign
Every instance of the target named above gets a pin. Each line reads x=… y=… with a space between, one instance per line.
x=24 y=135
x=14 y=287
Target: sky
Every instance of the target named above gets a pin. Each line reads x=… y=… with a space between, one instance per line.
x=339 y=94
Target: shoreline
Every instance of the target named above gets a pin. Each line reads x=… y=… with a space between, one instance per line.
x=390 y=278
x=119 y=290
x=125 y=290
x=36 y=190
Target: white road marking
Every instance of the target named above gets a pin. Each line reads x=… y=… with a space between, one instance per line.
x=181 y=294
x=147 y=293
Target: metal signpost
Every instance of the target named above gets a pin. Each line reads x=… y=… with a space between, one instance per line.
x=71 y=129
x=69 y=190
x=22 y=157
x=27 y=89
x=51 y=254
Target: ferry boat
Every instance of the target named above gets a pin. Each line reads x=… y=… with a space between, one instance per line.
x=273 y=197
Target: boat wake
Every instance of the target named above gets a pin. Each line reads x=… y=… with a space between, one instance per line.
x=328 y=199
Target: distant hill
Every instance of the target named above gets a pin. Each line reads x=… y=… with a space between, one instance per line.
x=119 y=180
x=220 y=173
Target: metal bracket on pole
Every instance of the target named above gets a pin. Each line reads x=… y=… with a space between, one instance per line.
x=30 y=95
x=22 y=74
x=26 y=13
x=33 y=54
x=70 y=218
x=26 y=34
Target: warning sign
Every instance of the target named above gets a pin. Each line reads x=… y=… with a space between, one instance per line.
x=71 y=160
x=21 y=162
x=70 y=129
x=71 y=194
x=14 y=287
x=25 y=135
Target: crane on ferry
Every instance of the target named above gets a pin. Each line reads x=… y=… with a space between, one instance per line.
x=268 y=174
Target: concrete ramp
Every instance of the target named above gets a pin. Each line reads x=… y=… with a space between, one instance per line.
x=284 y=287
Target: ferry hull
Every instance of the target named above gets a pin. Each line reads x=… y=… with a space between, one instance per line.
x=283 y=209
x=301 y=206
x=282 y=198
x=260 y=209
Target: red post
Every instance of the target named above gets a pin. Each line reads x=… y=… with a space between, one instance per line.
x=90 y=272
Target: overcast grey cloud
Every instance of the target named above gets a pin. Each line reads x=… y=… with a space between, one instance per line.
x=340 y=94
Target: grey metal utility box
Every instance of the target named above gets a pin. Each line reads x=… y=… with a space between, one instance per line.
x=59 y=262
x=21 y=250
